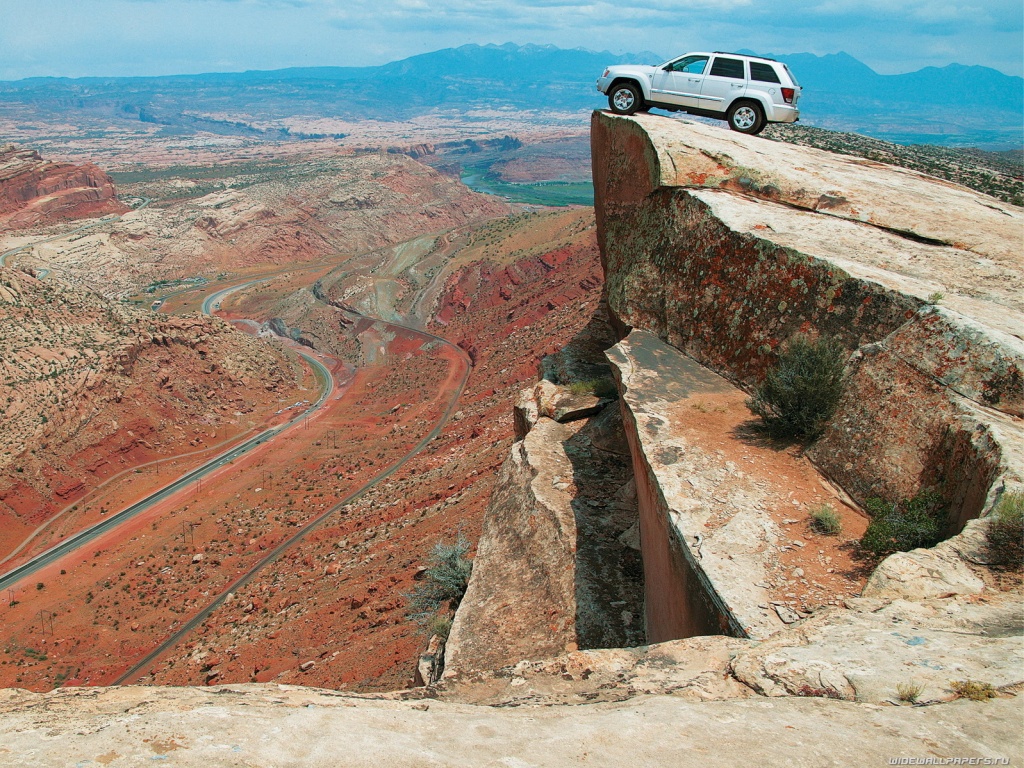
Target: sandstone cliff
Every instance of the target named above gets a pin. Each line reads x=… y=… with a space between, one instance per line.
x=35 y=192
x=726 y=246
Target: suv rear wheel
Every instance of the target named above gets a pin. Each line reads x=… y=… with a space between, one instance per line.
x=625 y=99
x=746 y=117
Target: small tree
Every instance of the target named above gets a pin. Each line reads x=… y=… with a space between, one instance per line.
x=445 y=580
x=1005 y=532
x=799 y=395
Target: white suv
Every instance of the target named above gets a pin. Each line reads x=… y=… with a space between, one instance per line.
x=747 y=91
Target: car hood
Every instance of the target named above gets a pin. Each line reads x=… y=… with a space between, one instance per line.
x=632 y=69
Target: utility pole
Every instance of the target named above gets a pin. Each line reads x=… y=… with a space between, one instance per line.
x=188 y=531
x=45 y=616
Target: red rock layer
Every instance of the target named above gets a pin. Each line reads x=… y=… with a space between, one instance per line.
x=35 y=192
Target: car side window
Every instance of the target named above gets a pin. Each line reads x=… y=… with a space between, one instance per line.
x=724 y=67
x=691 y=65
x=764 y=73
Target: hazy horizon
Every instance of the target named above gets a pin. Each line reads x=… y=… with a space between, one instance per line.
x=169 y=37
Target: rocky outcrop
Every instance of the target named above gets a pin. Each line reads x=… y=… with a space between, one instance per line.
x=861 y=652
x=34 y=191
x=521 y=602
x=555 y=570
x=725 y=246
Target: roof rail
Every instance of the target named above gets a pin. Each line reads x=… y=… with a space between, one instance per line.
x=747 y=55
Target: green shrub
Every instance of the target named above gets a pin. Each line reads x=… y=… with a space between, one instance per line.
x=1005 y=532
x=439 y=625
x=799 y=395
x=445 y=580
x=604 y=387
x=909 y=692
x=904 y=525
x=825 y=520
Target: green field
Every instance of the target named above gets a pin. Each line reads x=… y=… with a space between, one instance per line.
x=553 y=193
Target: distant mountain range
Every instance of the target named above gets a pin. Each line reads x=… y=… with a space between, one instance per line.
x=954 y=105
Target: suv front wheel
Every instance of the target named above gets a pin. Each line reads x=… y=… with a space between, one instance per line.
x=746 y=117
x=625 y=99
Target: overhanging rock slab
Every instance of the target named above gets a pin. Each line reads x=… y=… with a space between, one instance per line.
x=701 y=571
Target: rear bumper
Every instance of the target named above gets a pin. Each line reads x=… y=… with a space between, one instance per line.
x=783 y=113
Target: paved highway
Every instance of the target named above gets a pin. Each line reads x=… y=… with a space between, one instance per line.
x=81 y=538
x=89 y=534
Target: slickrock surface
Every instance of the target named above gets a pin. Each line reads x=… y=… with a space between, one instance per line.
x=863 y=650
x=36 y=192
x=286 y=726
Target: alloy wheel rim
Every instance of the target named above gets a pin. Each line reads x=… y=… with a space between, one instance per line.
x=744 y=117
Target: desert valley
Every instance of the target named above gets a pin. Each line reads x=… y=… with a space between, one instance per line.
x=264 y=375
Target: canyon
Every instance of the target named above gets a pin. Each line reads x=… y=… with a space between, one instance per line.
x=647 y=584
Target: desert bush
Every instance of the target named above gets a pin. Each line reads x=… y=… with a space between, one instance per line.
x=800 y=393
x=445 y=580
x=1005 y=532
x=909 y=692
x=825 y=520
x=973 y=690
x=904 y=525
x=604 y=387
x=439 y=625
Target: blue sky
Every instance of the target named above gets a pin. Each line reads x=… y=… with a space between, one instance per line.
x=150 y=37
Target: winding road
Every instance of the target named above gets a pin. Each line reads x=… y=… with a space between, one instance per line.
x=209 y=305
x=140 y=668
x=83 y=537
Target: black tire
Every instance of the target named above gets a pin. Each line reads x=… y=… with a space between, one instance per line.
x=746 y=117
x=625 y=99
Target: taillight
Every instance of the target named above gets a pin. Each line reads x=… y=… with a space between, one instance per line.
x=606 y=73
x=788 y=94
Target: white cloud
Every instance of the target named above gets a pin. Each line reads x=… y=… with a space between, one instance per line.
x=166 y=36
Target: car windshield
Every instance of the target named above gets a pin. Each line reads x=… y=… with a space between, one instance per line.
x=692 y=65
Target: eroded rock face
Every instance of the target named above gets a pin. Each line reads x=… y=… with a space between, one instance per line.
x=34 y=191
x=555 y=568
x=526 y=552
x=726 y=246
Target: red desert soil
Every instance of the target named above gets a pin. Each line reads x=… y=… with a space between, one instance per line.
x=337 y=598
x=95 y=389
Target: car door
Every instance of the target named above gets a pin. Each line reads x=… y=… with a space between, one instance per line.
x=725 y=81
x=679 y=81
